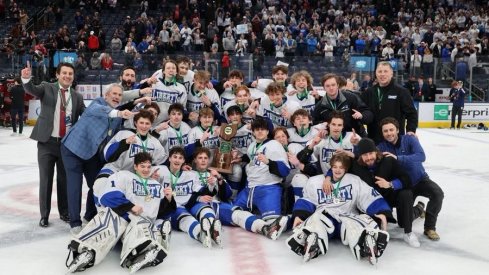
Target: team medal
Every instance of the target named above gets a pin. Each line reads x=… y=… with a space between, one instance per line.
x=147 y=198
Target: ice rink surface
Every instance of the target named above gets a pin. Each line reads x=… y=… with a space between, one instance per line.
x=458 y=160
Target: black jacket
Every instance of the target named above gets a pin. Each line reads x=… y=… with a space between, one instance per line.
x=345 y=102
x=395 y=101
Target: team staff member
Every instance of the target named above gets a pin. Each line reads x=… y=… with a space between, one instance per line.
x=80 y=148
x=17 y=106
x=387 y=99
x=59 y=111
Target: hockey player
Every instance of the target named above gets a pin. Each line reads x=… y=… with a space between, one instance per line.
x=213 y=195
x=205 y=134
x=337 y=141
x=168 y=90
x=152 y=107
x=185 y=74
x=175 y=131
x=199 y=97
x=410 y=155
x=276 y=107
x=235 y=79
x=184 y=184
x=320 y=216
x=130 y=205
x=303 y=131
x=121 y=149
x=279 y=76
x=241 y=141
x=243 y=100
x=301 y=91
x=266 y=169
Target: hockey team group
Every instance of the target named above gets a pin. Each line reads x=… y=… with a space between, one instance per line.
x=301 y=161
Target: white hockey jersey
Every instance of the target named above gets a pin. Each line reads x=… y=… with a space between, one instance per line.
x=293 y=148
x=257 y=171
x=227 y=96
x=183 y=185
x=211 y=143
x=194 y=103
x=350 y=195
x=175 y=136
x=166 y=95
x=125 y=161
x=126 y=187
x=246 y=118
x=188 y=79
x=295 y=137
x=275 y=113
x=306 y=103
x=328 y=146
x=242 y=140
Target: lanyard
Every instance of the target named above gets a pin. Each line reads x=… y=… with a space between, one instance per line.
x=210 y=128
x=302 y=95
x=64 y=102
x=286 y=147
x=337 y=187
x=174 y=179
x=203 y=177
x=178 y=132
x=304 y=131
x=144 y=182
x=257 y=147
x=331 y=102
x=341 y=141
x=380 y=96
x=144 y=143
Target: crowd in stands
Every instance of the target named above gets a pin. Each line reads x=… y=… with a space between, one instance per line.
x=417 y=32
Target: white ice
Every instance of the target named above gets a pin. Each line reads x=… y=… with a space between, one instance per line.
x=458 y=160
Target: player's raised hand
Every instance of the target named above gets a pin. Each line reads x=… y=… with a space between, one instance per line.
x=205 y=135
x=356 y=114
x=131 y=139
x=293 y=159
x=345 y=152
x=354 y=138
x=145 y=99
x=327 y=186
x=205 y=99
x=388 y=154
x=186 y=167
x=168 y=193
x=262 y=158
x=27 y=71
x=227 y=84
x=193 y=116
x=285 y=113
x=209 y=85
x=315 y=141
x=162 y=126
x=146 y=91
x=254 y=83
x=292 y=92
x=315 y=93
x=155 y=174
x=126 y=114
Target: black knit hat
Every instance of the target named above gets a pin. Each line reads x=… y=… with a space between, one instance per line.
x=366 y=145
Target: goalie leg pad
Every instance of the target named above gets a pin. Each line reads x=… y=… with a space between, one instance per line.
x=100 y=235
x=362 y=234
x=141 y=239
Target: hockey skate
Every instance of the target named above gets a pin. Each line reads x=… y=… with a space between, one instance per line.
x=144 y=260
x=216 y=232
x=205 y=232
x=311 y=247
x=165 y=234
x=370 y=247
x=274 y=229
x=81 y=262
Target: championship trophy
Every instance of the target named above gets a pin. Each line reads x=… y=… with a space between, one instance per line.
x=222 y=157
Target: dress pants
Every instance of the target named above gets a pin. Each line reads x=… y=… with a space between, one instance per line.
x=75 y=168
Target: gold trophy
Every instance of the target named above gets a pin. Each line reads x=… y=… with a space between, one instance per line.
x=222 y=158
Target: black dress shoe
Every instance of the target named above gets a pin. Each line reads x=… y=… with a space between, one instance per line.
x=43 y=222
x=65 y=218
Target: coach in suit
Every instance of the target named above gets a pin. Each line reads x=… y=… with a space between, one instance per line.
x=80 y=147
x=57 y=116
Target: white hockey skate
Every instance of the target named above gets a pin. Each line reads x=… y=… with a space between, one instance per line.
x=216 y=232
x=81 y=261
x=144 y=260
x=311 y=247
x=275 y=229
x=370 y=247
x=165 y=234
x=205 y=233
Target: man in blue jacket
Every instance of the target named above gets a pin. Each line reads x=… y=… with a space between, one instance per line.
x=80 y=147
x=409 y=153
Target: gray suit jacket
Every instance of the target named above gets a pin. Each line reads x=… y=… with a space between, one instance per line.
x=48 y=94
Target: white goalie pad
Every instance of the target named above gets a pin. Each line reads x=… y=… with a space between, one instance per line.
x=142 y=235
x=354 y=228
x=299 y=182
x=101 y=234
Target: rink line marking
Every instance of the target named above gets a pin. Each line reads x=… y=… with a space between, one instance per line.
x=455 y=136
x=247 y=254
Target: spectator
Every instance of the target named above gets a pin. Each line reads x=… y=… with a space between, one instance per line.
x=93 y=42
x=116 y=44
x=107 y=63
x=95 y=61
x=17 y=106
x=225 y=64
x=228 y=43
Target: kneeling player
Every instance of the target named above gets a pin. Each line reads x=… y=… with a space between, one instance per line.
x=319 y=216
x=131 y=204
